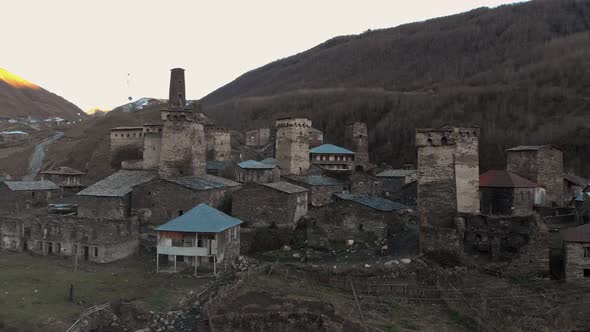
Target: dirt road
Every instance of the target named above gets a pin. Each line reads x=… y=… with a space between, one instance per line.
x=39 y=155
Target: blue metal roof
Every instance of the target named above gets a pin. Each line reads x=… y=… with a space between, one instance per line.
x=200 y=219
x=253 y=164
x=270 y=161
x=315 y=180
x=215 y=165
x=580 y=197
x=374 y=202
x=329 y=148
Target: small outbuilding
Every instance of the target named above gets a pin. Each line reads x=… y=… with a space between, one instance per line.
x=20 y=195
x=506 y=193
x=321 y=188
x=252 y=171
x=202 y=235
x=576 y=253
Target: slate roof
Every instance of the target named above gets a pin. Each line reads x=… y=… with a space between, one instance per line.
x=127 y=128
x=315 y=180
x=504 y=179
x=395 y=173
x=576 y=180
x=373 y=202
x=63 y=170
x=329 y=148
x=215 y=165
x=528 y=148
x=31 y=185
x=253 y=164
x=285 y=187
x=200 y=219
x=203 y=182
x=576 y=234
x=119 y=183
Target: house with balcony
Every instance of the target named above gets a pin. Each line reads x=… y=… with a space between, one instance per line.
x=201 y=236
x=332 y=157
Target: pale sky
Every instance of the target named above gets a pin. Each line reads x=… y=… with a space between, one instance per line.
x=83 y=50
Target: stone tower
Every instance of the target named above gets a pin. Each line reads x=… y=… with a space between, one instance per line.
x=183 y=136
x=292 y=145
x=152 y=146
x=357 y=140
x=448 y=185
x=218 y=143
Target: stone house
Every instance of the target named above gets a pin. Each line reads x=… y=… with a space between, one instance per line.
x=395 y=179
x=161 y=199
x=542 y=164
x=67 y=178
x=573 y=185
x=316 y=137
x=110 y=198
x=101 y=241
x=361 y=183
x=332 y=157
x=21 y=195
x=576 y=253
x=364 y=219
x=281 y=204
x=252 y=171
x=202 y=235
x=321 y=188
x=506 y=193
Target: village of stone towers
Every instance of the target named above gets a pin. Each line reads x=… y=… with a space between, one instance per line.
x=432 y=176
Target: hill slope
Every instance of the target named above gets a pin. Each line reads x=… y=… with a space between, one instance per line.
x=520 y=72
x=21 y=98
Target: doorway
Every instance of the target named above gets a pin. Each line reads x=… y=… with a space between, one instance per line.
x=86 y=253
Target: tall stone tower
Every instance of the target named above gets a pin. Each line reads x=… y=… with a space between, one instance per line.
x=357 y=140
x=292 y=145
x=448 y=185
x=183 y=136
x=152 y=146
x=218 y=143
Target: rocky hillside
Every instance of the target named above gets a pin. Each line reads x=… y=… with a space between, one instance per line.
x=21 y=98
x=520 y=72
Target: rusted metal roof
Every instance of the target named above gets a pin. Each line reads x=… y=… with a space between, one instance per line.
x=504 y=179
x=576 y=234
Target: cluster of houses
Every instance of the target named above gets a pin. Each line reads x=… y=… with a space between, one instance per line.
x=178 y=185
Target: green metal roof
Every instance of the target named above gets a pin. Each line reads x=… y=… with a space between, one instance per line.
x=253 y=164
x=329 y=149
x=200 y=219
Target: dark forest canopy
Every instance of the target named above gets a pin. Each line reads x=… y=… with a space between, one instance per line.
x=520 y=72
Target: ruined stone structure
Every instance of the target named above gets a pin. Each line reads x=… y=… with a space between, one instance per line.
x=357 y=139
x=218 y=143
x=316 y=137
x=448 y=184
x=99 y=241
x=332 y=158
x=21 y=195
x=361 y=183
x=183 y=134
x=251 y=171
x=161 y=199
x=67 y=178
x=506 y=193
x=126 y=144
x=576 y=253
x=542 y=164
x=361 y=218
x=152 y=146
x=279 y=203
x=258 y=137
x=292 y=145
x=321 y=188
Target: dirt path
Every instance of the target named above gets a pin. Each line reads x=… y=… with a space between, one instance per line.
x=39 y=155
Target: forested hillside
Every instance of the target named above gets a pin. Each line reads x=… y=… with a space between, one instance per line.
x=520 y=72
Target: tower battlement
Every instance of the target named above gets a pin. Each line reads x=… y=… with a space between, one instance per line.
x=300 y=122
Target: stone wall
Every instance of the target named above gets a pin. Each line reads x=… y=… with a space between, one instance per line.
x=507 y=201
x=159 y=201
x=152 y=147
x=183 y=144
x=260 y=206
x=218 y=143
x=292 y=145
x=365 y=184
x=357 y=140
x=126 y=144
x=576 y=262
x=249 y=175
x=103 y=207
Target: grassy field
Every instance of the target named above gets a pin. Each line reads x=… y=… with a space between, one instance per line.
x=35 y=289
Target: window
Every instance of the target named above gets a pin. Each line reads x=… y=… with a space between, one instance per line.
x=180 y=212
x=33 y=194
x=95 y=252
x=586 y=251
x=586 y=273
